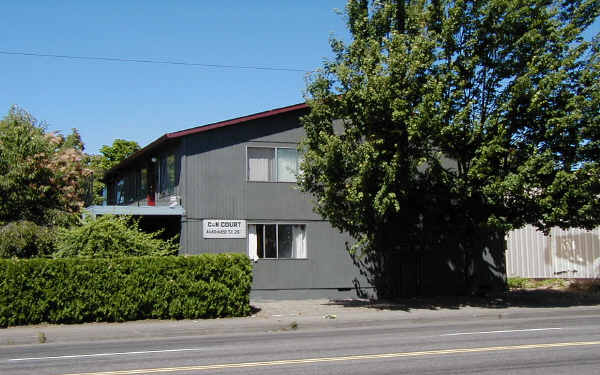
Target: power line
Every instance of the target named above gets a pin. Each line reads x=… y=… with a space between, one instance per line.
x=151 y=61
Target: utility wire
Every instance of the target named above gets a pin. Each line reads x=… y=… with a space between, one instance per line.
x=151 y=61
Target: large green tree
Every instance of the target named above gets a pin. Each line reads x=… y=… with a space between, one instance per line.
x=109 y=157
x=42 y=174
x=456 y=121
x=117 y=152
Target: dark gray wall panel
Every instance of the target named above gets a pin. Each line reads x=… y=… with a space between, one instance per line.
x=257 y=295
x=215 y=173
x=215 y=183
x=277 y=201
x=328 y=264
x=195 y=244
x=216 y=187
x=283 y=274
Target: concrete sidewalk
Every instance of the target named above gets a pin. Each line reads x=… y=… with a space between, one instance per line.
x=276 y=316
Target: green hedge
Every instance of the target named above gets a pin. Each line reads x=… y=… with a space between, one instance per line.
x=75 y=290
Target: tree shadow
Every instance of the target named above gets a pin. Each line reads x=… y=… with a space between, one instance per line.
x=538 y=298
x=254 y=310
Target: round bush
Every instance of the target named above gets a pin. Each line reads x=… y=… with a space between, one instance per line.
x=25 y=239
x=110 y=237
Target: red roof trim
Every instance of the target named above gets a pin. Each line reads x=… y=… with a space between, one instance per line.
x=235 y=121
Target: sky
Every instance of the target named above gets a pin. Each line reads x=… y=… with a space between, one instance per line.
x=106 y=100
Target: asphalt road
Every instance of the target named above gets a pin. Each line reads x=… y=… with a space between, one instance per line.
x=541 y=345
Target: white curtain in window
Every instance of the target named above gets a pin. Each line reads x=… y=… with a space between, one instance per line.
x=252 y=243
x=287 y=164
x=260 y=163
x=298 y=246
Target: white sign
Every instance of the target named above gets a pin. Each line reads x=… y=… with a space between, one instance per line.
x=214 y=228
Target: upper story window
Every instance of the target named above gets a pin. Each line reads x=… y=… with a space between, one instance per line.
x=143 y=186
x=274 y=164
x=120 y=191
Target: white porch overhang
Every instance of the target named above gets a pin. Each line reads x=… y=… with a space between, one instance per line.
x=176 y=210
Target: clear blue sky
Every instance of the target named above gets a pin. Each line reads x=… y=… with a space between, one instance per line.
x=140 y=102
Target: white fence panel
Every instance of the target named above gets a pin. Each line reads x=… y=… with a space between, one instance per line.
x=573 y=253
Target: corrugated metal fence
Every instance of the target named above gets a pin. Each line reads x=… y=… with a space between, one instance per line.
x=573 y=253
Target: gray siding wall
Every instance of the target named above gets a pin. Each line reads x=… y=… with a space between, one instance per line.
x=213 y=185
x=327 y=265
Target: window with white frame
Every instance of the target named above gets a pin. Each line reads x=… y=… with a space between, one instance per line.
x=276 y=241
x=270 y=164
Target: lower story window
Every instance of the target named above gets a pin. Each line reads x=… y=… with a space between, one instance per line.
x=276 y=241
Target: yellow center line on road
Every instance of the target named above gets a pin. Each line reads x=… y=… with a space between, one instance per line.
x=343 y=358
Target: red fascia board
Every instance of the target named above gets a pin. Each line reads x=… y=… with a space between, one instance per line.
x=235 y=121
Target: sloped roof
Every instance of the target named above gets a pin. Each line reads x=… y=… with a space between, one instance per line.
x=203 y=128
x=236 y=121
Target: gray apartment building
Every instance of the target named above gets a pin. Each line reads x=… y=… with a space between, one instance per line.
x=230 y=187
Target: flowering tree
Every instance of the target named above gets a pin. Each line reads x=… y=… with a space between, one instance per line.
x=41 y=173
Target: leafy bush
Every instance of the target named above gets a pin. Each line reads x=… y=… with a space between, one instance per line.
x=517 y=282
x=111 y=236
x=86 y=290
x=521 y=283
x=25 y=239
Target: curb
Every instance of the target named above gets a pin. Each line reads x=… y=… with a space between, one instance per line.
x=341 y=319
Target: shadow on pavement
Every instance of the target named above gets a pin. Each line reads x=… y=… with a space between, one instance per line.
x=254 y=310
x=513 y=298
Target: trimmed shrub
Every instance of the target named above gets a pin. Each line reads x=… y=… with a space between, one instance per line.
x=80 y=290
x=25 y=239
x=111 y=236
